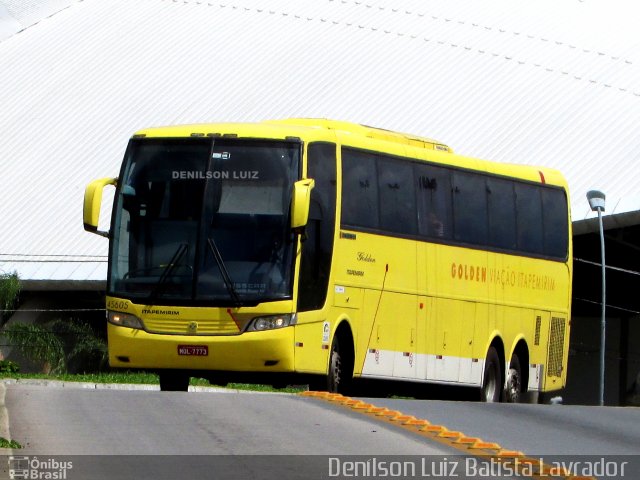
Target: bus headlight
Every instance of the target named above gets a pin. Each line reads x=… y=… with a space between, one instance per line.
x=271 y=322
x=125 y=320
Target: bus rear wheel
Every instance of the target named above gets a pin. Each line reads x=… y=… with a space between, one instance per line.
x=174 y=381
x=492 y=379
x=513 y=390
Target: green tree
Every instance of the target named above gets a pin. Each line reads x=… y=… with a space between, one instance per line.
x=58 y=344
x=9 y=291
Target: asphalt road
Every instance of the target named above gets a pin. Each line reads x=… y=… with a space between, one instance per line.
x=151 y=434
x=67 y=421
x=534 y=429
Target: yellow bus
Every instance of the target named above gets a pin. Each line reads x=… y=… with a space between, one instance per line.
x=323 y=251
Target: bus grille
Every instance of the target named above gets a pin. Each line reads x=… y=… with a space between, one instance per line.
x=536 y=341
x=186 y=327
x=556 y=345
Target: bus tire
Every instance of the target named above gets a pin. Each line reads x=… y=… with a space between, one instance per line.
x=174 y=381
x=492 y=378
x=513 y=386
x=335 y=376
x=339 y=377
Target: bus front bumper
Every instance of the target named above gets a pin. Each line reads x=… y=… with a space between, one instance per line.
x=266 y=351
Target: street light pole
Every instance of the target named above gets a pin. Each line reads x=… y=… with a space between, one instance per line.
x=596 y=202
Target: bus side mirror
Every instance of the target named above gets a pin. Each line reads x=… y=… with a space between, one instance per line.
x=300 y=203
x=92 y=203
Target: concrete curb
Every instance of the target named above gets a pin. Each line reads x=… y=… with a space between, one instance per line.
x=117 y=386
x=4 y=421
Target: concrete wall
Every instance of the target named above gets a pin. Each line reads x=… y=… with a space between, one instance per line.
x=622 y=361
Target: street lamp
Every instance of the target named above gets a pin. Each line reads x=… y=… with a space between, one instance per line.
x=596 y=202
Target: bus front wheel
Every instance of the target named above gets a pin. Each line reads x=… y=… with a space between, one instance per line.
x=492 y=379
x=335 y=380
x=339 y=374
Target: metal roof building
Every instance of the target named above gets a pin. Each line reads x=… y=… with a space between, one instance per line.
x=550 y=83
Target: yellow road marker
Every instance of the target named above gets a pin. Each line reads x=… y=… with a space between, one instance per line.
x=454 y=439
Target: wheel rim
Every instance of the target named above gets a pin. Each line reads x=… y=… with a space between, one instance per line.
x=336 y=368
x=513 y=386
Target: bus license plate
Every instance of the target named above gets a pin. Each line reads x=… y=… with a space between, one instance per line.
x=193 y=350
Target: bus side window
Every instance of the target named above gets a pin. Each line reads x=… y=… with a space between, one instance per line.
x=359 y=189
x=502 y=213
x=433 y=194
x=470 y=208
x=554 y=210
x=529 y=218
x=397 y=196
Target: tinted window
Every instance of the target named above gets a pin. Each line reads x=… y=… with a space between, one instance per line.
x=397 y=196
x=502 y=213
x=554 y=208
x=317 y=249
x=529 y=218
x=359 y=189
x=204 y=220
x=434 y=201
x=469 y=208
x=400 y=196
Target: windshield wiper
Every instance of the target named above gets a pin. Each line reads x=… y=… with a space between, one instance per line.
x=223 y=270
x=168 y=270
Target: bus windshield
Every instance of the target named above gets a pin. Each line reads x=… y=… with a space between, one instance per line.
x=204 y=220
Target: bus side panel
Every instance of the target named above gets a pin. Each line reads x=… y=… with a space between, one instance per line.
x=538 y=350
x=390 y=335
x=312 y=342
x=459 y=324
x=403 y=311
x=379 y=335
x=473 y=318
x=425 y=338
x=385 y=268
x=447 y=335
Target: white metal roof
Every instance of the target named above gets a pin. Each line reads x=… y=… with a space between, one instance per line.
x=534 y=82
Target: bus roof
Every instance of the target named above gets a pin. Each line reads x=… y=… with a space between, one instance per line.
x=315 y=129
x=302 y=124
x=366 y=131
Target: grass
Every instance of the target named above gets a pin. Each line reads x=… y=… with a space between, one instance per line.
x=4 y=443
x=144 y=378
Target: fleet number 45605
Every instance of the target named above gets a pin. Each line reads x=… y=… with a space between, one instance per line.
x=117 y=305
